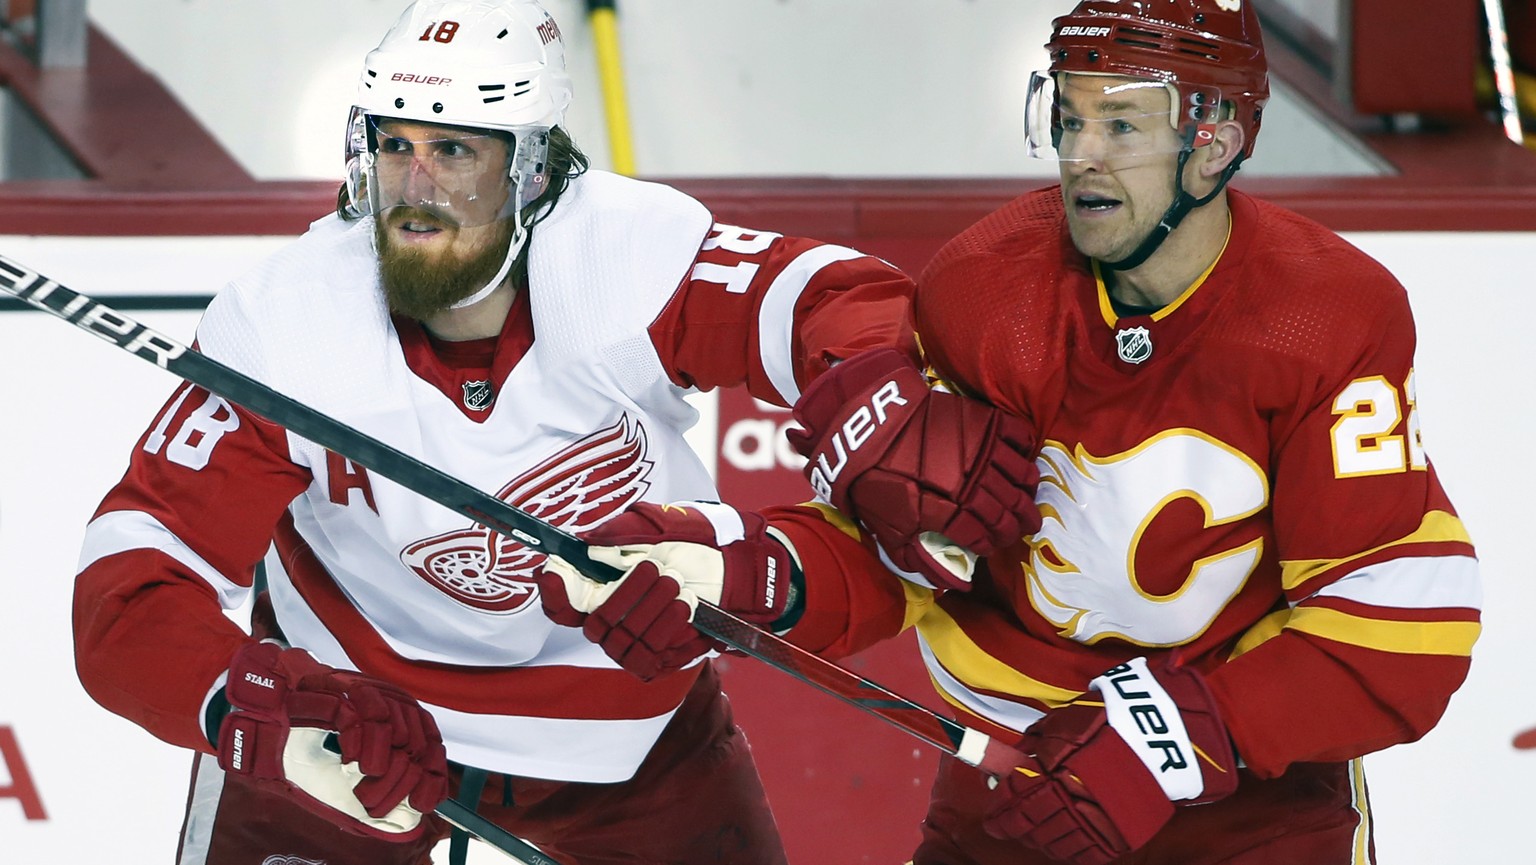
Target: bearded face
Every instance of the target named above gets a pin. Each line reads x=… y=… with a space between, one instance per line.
x=426 y=264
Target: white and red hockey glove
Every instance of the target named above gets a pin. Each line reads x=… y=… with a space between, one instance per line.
x=1102 y=780
x=936 y=478
x=284 y=705
x=673 y=556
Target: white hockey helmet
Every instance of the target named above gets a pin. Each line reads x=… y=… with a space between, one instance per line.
x=477 y=64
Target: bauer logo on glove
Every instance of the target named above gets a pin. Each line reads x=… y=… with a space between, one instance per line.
x=857 y=429
x=937 y=478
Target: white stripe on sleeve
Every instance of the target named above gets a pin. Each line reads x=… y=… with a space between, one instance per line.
x=776 y=318
x=120 y=531
x=1426 y=582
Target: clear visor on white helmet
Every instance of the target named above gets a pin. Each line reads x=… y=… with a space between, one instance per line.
x=1090 y=116
x=461 y=176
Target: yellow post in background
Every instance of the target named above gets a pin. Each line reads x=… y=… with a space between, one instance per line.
x=605 y=36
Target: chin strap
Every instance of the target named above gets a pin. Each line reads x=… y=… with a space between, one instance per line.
x=515 y=246
x=1182 y=204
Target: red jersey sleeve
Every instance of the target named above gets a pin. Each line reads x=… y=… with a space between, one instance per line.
x=773 y=312
x=1379 y=574
x=172 y=545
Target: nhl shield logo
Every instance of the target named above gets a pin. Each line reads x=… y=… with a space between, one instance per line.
x=1133 y=344
x=478 y=395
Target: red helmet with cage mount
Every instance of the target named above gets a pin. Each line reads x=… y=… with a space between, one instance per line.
x=1196 y=46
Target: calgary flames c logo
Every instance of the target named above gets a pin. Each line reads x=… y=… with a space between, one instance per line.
x=575 y=489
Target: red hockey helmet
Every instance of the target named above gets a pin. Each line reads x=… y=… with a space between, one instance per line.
x=1204 y=50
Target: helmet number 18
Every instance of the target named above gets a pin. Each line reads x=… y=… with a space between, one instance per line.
x=440 y=32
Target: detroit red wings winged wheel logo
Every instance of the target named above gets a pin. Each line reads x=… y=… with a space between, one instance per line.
x=577 y=488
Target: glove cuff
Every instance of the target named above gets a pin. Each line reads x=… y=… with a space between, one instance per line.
x=794 y=607
x=1171 y=723
x=930 y=560
x=261 y=675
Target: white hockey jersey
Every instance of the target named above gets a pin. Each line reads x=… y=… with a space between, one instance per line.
x=369 y=576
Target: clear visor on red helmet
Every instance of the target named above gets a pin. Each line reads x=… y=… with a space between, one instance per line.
x=461 y=176
x=1090 y=116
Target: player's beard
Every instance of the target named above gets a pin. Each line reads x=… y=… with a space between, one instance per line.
x=420 y=283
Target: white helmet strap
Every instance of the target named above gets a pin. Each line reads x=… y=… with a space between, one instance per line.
x=515 y=246
x=529 y=169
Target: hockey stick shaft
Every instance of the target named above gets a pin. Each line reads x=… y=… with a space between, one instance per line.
x=465 y=818
x=148 y=344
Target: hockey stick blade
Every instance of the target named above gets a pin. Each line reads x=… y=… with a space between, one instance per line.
x=93 y=316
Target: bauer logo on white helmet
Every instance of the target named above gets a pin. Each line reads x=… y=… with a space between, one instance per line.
x=420 y=79
x=494 y=64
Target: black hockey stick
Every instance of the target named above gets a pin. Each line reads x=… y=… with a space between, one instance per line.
x=969 y=745
x=464 y=817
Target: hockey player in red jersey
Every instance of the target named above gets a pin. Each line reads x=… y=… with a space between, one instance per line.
x=1247 y=575
x=486 y=305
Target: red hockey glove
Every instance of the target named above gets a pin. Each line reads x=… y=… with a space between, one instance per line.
x=391 y=769
x=930 y=474
x=673 y=556
x=1104 y=778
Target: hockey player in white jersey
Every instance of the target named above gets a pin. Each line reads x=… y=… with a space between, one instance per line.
x=484 y=303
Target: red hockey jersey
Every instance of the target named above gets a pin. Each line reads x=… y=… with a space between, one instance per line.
x=1237 y=479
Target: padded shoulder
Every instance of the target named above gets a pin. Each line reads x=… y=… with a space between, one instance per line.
x=991 y=308
x=1307 y=293
x=609 y=257
x=288 y=319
